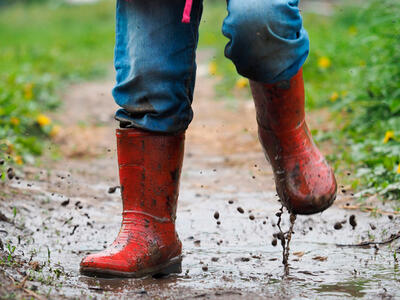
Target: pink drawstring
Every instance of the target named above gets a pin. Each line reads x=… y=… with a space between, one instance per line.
x=186 y=12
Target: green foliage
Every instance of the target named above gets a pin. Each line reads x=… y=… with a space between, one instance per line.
x=363 y=84
x=211 y=37
x=44 y=46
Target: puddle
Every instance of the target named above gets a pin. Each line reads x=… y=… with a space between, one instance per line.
x=234 y=258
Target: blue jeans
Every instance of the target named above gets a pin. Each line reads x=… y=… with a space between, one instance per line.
x=155 y=54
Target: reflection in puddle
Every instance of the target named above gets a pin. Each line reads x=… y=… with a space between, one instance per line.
x=350 y=288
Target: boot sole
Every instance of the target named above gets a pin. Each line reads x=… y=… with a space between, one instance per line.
x=174 y=265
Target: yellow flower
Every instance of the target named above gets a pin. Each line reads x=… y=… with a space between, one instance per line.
x=55 y=130
x=334 y=96
x=212 y=68
x=389 y=135
x=344 y=93
x=28 y=91
x=353 y=30
x=18 y=160
x=43 y=120
x=241 y=83
x=14 y=121
x=398 y=169
x=324 y=62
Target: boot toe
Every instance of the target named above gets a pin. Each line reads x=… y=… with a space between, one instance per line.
x=312 y=203
x=312 y=194
x=103 y=264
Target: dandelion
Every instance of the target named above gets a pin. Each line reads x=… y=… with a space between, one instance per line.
x=324 y=62
x=43 y=120
x=241 y=83
x=15 y=121
x=334 y=96
x=18 y=160
x=28 y=91
x=212 y=68
x=353 y=30
x=398 y=169
x=55 y=130
x=389 y=135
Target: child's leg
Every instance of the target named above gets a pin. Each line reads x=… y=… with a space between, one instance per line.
x=268 y=44
x=155 y=64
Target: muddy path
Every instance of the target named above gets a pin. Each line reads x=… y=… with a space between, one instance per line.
x=63 y=210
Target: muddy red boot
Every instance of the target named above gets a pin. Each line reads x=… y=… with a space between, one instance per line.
x=147 y=244
x=304 y=181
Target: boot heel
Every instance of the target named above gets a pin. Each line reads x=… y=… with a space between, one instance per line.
x=173 y=268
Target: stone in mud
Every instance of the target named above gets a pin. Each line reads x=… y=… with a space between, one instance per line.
x=338 y=226
x=240 y=210
x=352 y=221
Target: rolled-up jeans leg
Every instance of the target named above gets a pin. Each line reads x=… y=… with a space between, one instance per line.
x=155 y=64
x=267 y=40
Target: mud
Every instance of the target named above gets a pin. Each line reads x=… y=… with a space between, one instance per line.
x=224 y=170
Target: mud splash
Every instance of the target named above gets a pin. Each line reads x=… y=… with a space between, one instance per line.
x=285 y=238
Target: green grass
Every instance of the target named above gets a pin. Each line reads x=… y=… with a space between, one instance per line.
x=211 y=37
x=363 y=44
x=43 y=47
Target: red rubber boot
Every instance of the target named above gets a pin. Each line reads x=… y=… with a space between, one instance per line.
x=147 y=244
x=304 y=181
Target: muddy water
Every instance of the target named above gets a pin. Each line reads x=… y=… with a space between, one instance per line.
x=64 y=211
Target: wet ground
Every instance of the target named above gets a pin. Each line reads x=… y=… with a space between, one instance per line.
x=64 y=210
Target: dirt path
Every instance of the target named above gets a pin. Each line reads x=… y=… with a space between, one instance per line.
x=63 y=210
